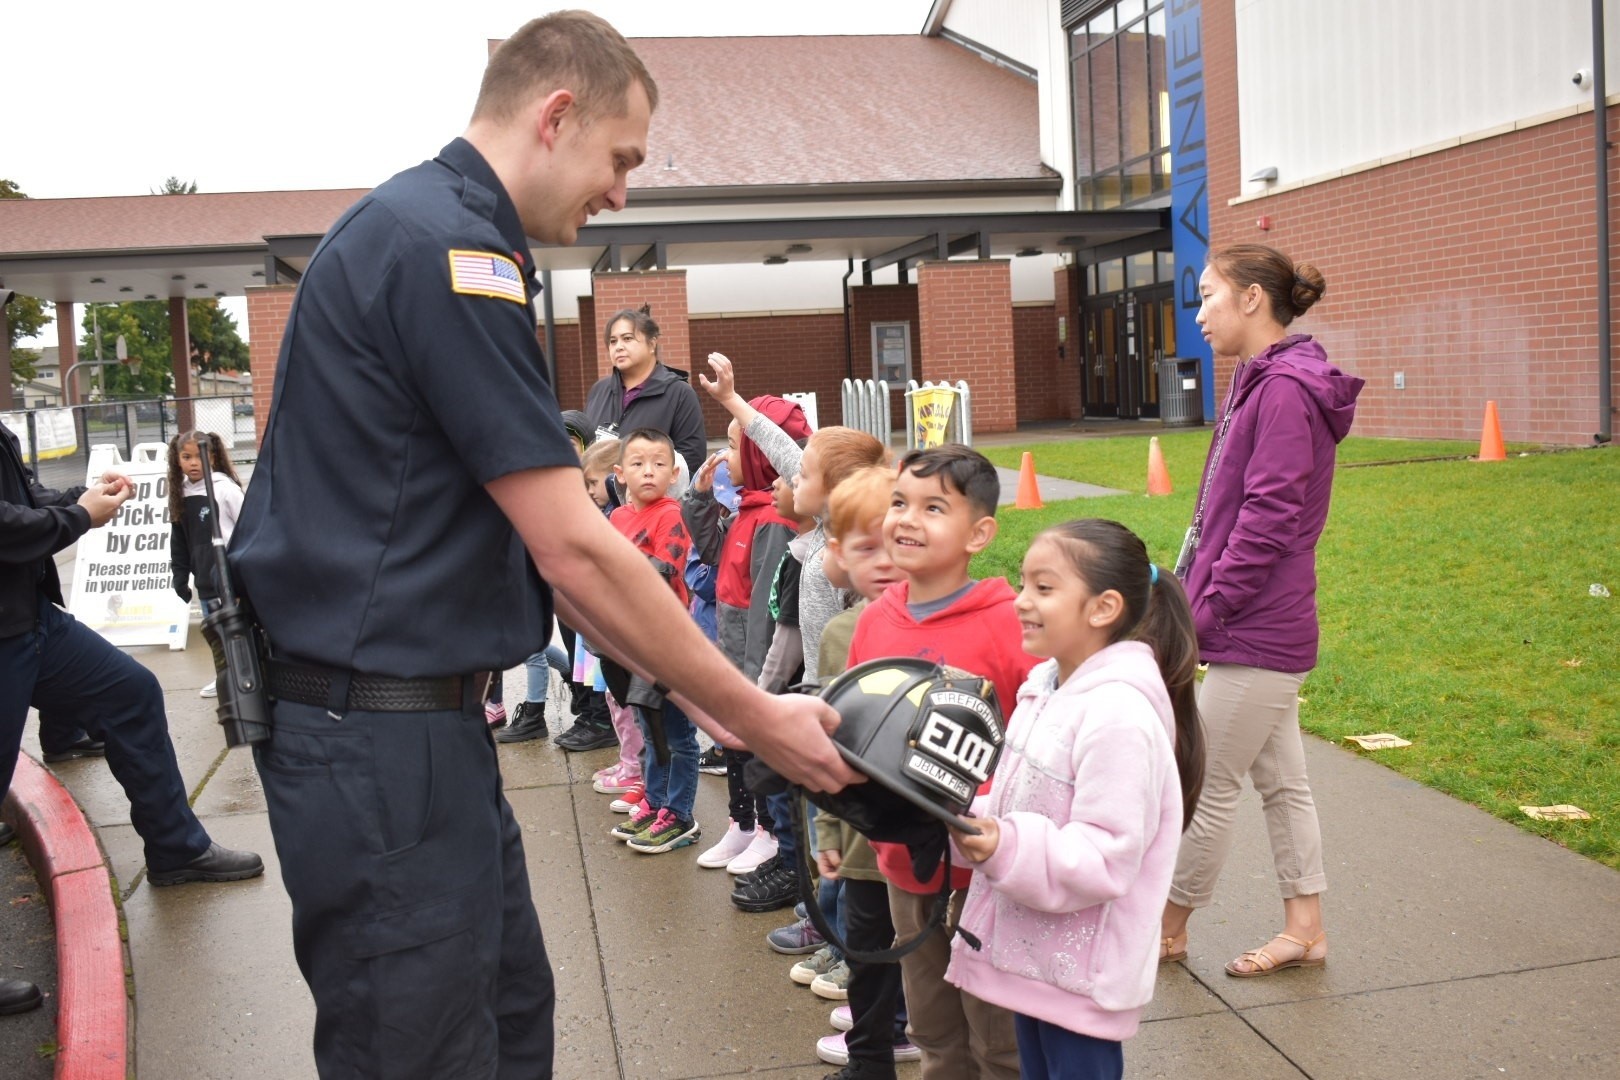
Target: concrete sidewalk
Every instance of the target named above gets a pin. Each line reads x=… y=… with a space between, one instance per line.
x=1461 y=946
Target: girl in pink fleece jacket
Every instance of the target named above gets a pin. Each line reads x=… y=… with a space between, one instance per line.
x=1080 y=829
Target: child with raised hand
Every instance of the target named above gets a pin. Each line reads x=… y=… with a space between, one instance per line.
x=745 y=548
x=1080 y=829
x=652 y=521
x=814 y=470
x=191 y=533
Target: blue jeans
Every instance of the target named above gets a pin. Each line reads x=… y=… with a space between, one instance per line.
x=672 y=786
x=1048 y=1052
x=787 y=845
x=539 y=668
x=65 y=669
x=540 y=665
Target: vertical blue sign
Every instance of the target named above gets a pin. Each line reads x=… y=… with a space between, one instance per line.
x=1189 y=193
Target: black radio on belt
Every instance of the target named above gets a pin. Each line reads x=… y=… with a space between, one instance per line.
x=244 y=707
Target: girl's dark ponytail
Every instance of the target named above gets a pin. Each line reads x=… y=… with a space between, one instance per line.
x=1107 y=555
x=1167 y=626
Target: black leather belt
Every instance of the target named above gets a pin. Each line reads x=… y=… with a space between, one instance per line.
x=338 y=691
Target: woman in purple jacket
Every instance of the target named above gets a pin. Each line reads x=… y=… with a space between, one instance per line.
x=1250 y=569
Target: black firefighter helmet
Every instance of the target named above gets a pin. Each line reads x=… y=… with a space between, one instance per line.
x=927 y=735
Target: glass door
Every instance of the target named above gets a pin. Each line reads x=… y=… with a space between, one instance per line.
x=1101 y=359
x=1156 y=325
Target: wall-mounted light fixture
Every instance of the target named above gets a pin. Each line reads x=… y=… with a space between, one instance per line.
x=1267 y=175
x=776 y=260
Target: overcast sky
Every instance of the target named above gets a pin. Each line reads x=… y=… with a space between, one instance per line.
x=109 y=98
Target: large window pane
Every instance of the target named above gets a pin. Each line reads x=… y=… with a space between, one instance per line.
x=1135 y=98
x=1138 y=181
x=1139 y=269
x=1105 y=106
x=1127 y=10
x=1101 y=25
x=1106 y=191
x=1083 y=161
x=1112 y=275
x=1158 y=88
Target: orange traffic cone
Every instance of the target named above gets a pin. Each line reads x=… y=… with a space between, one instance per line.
x=1158 y=475
x=1029 y=492
x=1490 y=437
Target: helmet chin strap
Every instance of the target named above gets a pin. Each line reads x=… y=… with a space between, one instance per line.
x=818 y=918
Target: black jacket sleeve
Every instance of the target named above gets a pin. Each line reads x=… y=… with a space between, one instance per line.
x=28 y=533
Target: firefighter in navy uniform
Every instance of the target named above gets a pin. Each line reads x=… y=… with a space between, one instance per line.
x=415 y=474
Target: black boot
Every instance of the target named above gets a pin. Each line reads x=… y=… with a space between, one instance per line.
x=17 y=996
x=528 y=722
x=593 y=730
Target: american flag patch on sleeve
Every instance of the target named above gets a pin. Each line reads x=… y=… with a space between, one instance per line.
x=479 y=273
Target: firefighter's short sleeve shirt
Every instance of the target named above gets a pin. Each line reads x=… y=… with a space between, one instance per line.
x=410 y=376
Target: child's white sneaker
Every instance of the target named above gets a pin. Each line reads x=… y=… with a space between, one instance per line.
x=731 y=845
x=211 y=690
x=759 y=849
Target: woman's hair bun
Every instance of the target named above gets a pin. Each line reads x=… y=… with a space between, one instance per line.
x=1309 y=285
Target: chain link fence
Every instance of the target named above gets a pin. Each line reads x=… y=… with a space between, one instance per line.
x=57 y=442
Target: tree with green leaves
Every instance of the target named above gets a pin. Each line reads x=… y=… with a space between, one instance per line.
x=215 y=345
x=25 y=315
x=176 y=186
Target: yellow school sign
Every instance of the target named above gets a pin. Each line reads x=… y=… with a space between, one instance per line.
x=931 y=415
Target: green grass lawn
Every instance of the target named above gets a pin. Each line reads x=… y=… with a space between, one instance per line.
x=1454 y=607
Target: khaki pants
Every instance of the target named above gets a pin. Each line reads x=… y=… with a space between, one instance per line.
x=1251 y=728
x=961 y=1037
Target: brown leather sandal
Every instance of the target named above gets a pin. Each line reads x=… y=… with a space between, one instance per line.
x=1168 y=953
x=1263 y=963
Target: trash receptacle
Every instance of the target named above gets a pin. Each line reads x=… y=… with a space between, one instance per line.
x=1181 y=399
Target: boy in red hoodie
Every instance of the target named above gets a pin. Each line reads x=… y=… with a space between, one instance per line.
x=652 y=521
x=941 y=514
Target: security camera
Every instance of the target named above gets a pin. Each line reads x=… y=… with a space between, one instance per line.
x=1582 y=78
x=6 y=296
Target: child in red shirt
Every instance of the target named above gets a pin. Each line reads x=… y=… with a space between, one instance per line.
x=652 y=521
x=941 y=514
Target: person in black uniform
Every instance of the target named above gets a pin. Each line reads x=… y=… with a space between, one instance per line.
x=414 y=485
x=50 y=660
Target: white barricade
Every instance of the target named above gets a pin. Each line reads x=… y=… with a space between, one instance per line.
x=866 y=407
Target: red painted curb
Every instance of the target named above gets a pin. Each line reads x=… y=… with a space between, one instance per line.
x=92 y=1018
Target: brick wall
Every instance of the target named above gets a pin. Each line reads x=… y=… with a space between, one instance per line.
x=1036 y=361
x=569 y=389
x=966 y=314
x=774 y=354
x=268 y=307
x=665 y=290
x=885 y=303
x=1471 y=270
x=576 y=372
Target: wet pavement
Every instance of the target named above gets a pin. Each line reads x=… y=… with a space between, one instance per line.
x=1460 y=946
